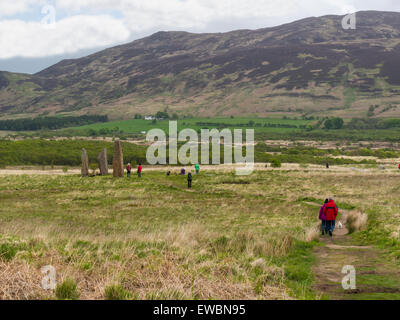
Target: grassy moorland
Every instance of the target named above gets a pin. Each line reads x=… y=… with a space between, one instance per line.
x=228 y=238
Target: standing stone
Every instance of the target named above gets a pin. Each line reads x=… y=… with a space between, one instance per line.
x=85 y=164
x=103 y=162
x=118 y=160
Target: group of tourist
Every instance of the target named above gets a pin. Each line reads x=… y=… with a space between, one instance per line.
x=183 y=172
x=129 y=170
x=328 y=214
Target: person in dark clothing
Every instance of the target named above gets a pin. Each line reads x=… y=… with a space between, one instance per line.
x=128 y=170
x=327 y=165
x=322 y=217
x=183 y=172
x=168 y=173
x=189 y=178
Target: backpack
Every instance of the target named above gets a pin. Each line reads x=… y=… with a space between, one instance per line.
x=330 y=211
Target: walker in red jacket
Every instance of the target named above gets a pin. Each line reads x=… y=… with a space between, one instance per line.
x=330 y=212
x=139 y=170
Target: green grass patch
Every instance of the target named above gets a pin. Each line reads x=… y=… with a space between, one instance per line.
x=67 y=290
x=116 y=292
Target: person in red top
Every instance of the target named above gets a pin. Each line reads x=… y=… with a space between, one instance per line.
x=322 y=217
x=399 y=166
x=128 y=170
x=330 y=212
x=139 y=170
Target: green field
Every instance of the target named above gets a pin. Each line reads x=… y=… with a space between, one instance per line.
x=265 y=129
x=139 y=125
x=293 y=129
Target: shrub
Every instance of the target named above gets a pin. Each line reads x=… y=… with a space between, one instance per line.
x=67 y=290
x=276 y=163
x=334 y=123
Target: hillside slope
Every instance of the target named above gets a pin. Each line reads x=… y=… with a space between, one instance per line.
x=311 y=66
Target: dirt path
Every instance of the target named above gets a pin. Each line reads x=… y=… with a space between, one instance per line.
x=376 y=276
x=46 y=170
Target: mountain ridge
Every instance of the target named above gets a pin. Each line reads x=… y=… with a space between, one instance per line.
x=310 y=66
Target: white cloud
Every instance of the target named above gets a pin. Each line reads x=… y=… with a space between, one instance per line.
x=12 y=7
x=177 y=14
x=194 y=14
x=8 y=8
x=33 y=39
x=86 y=28
x=198 y=15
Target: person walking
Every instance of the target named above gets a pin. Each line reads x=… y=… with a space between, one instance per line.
x=128 y=170
x=197 y=168
x=189 y=179
x=330 y=211
x=322 y=217
x=399 y=166
x=139 y=170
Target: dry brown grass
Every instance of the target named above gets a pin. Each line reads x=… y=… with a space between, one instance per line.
x=155 y=276
x=20 y=281
x=356 y=221
x=313 y=233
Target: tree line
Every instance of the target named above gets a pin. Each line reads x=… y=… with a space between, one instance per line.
x=50 y=123
x=250 y=124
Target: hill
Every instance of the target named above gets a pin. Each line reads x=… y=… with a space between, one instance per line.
x=312 y=66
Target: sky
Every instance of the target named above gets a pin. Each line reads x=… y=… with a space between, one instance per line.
x=35 y=34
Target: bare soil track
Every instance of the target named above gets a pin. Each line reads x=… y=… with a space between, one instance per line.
x=376 y=276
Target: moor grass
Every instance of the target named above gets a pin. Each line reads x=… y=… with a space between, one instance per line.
x=227 y=238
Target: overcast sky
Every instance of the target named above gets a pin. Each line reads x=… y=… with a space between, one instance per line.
x=37 y=33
